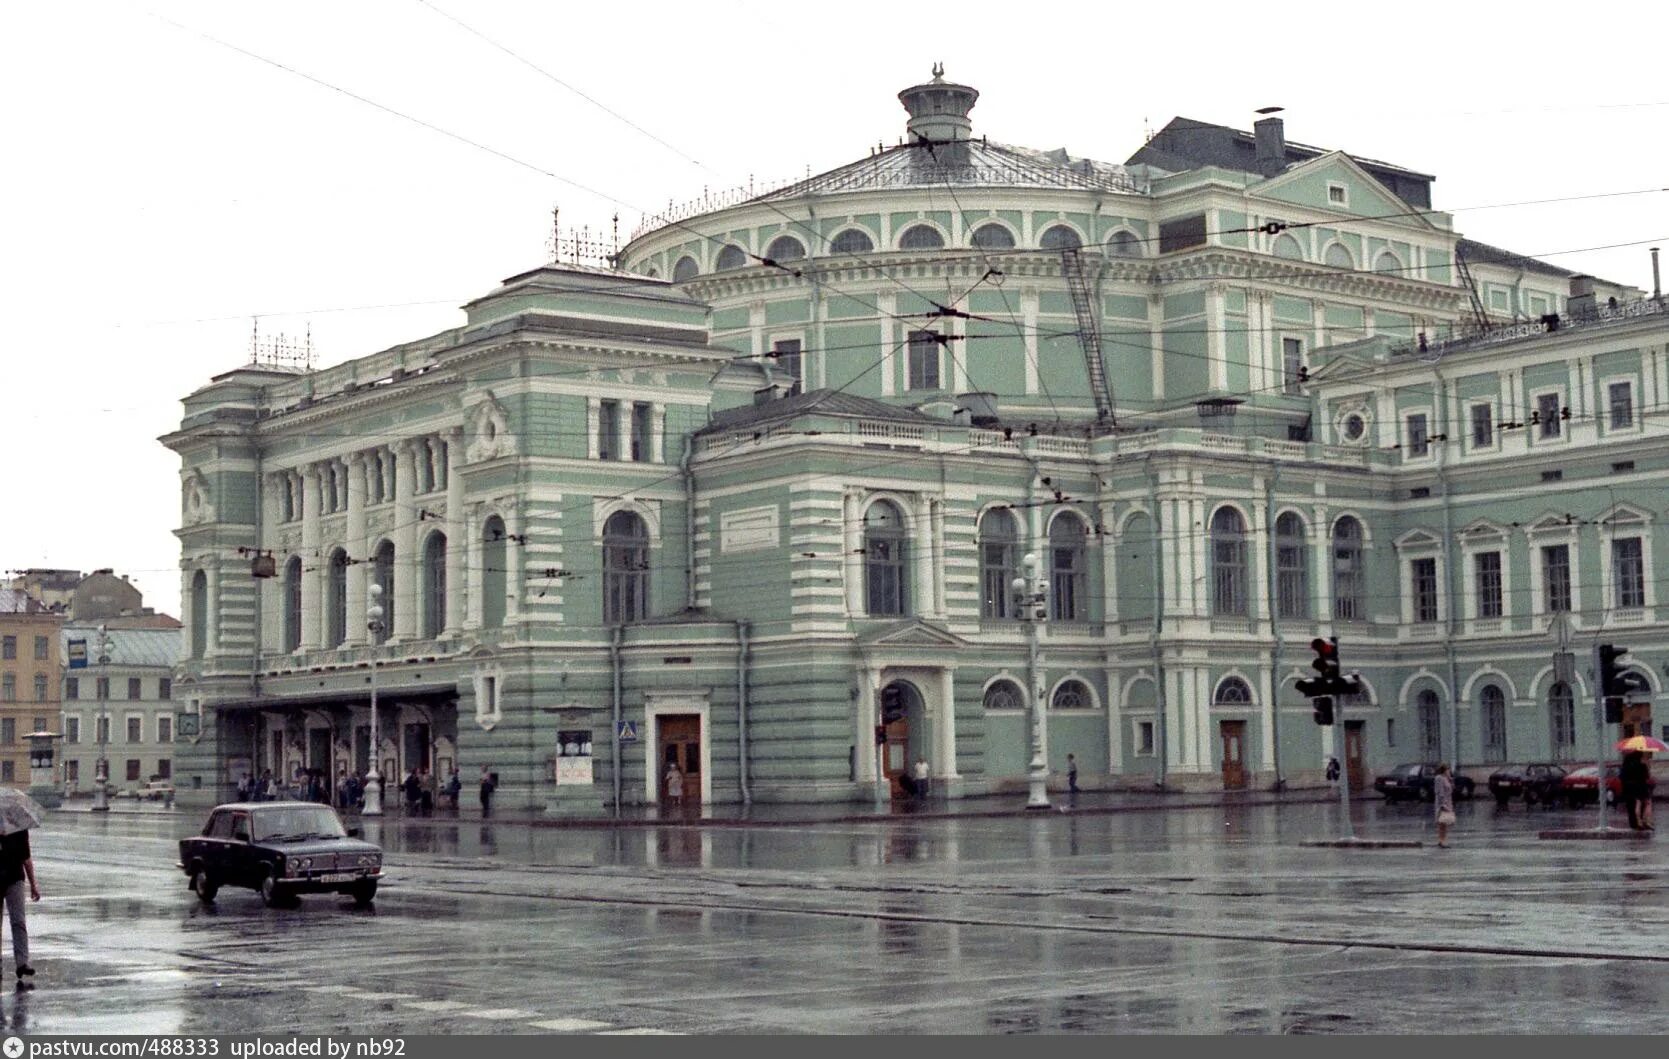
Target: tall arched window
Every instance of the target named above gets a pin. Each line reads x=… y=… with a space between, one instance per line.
x=1292 y=568
x=1388 y=263
x=495 y=554
x=685 y=270
x=885 y=547
x=1059 y=237
x=199 y=613
x=1338 y=255
x=999 y=545
x=1561 y=718
x=1072 y=695
x=785 y=248
x=1286 y=246
x=731 y=256
x=434 y=586
x=1233 y=692
x=625 y=568
x=1348 y=575
x=1228 y=564
x=993 y=237
x=1068 y=569
x=852 y=241
x=1492 y=703
x=382 y=574
x=292 y=603
x=1004 y=695
x=1429 y=716
x=336 y=598
x=921 y=237
x=1124 y=244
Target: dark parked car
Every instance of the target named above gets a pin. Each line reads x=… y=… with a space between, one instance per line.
x=1580 y=784
x=1535 y=783
x=1417 y=781
x=281 y=850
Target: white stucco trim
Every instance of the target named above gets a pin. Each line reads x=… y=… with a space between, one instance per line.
x=657 y=704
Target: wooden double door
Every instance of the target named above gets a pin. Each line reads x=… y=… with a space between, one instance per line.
x=678 y=749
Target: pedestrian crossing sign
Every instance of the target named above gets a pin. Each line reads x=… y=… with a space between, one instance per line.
x=626 y=731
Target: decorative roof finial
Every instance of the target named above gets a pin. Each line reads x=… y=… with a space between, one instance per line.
x=938 y=71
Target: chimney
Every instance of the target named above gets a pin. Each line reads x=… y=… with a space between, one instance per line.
x=1581 y=301
x=1657 y=284
x=1271 y=136
x=981 y=407
x=774 y=392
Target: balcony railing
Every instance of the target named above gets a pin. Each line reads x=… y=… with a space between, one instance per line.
x=1598 y=316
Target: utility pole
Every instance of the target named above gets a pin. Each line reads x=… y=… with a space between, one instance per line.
x=101 y=769
x=1326 y=692
x=1031 y=597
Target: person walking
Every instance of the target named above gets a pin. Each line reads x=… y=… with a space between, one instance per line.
x=1443 y=797
x=489 y=783
x=1636 y=790
x=17 y=868
x=1072 y=774
x=454 y=786
x=924 y=777
x=674 y=785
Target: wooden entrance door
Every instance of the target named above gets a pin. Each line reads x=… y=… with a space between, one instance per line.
x=1355 y=765
x=678 y=741
x=1233 y=734
x=895 y=755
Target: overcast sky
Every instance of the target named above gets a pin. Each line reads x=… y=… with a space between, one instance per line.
x=162 y=188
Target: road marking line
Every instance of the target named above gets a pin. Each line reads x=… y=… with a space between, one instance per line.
x=436 y=1005
x=568 y=1025
x=498 y=1013
x=640 y=1031
x=361 y=994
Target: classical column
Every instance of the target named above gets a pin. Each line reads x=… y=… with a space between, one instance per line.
x=270 y=589
x=357 y=548
x=921 y=540
x=406 y=457
x=312 y=562
x=945 y=765
x=852 y=535
x=1107 y=547
x=864 y=738
x=458 y=535
x=475 y=564
x=513 y=573
x=211 y=620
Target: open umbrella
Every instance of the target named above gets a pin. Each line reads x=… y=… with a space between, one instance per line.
x=1643 y=744
x=18 y=811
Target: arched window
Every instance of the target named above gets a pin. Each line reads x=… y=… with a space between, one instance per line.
x=785 y=248
x=1124 y=243
x=1292 y=568
x=852 y=241
x=199 y=613
x=1348 y=579
x=382 y=574
x=1004 y=695
x=292 y=603
x=1059 y=237
x=999 y=543
x=1338 y=255
x=921 y=237
x=1429 y=716
x=1561 y=717
x=494 y=573
x=1388 y=263
x=885 y=549
x=1233 y=692
x=1072 y=695
x=993 y=237
x=1492 y=703
x=1068 y=569
x=625 y=568
x=731 y=256
x=685 y=270
x=434 y=586
x=1286 y=246
x=1228 y=564
x=336 y=598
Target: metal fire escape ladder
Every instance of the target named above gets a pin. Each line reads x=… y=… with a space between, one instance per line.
x=1089 y=333
x=1479 y=314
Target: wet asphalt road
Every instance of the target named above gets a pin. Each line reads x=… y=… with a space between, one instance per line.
x=1207 y=920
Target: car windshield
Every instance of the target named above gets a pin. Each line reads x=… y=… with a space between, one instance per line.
x=297 y=822
x=1408 y=770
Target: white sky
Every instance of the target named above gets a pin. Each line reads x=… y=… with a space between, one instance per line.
x=161 y=188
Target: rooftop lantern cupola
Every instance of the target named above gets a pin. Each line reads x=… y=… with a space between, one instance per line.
x=939 y=112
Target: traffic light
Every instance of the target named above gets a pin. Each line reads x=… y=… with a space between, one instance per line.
x=892 y=704
x=1326 y=665
x=1323 y=709
x=1612 y=660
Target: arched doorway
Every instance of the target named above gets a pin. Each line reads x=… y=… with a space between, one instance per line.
x=901 y=735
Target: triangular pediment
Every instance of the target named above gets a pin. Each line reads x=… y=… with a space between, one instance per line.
x=912 y=633
x=1305 y=185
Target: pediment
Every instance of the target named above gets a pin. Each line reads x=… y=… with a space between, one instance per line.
x=1305 y=185
x=912 y=633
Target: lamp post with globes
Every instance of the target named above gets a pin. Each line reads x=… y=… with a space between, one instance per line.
x=1031 y=599
x=373 y=780
x=101 y=768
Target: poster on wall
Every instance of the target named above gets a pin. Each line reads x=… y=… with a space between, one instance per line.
x=573 y=757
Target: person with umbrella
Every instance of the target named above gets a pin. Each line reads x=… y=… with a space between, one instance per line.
x=18 y=813
x=1635 y=779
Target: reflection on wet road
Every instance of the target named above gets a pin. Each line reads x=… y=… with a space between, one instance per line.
x=1200 y=920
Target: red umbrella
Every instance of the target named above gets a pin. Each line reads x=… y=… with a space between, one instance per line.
x=1643 y=744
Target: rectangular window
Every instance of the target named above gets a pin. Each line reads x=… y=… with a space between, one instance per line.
x=8 y=647
x=1144 y=738
x=1424 y=572
x=1292 y=581
x=165 y=688
x=72 y=687
x=787 y=355
x=8 y=771
x=1390 y=731
x=1628 y=570
x=1547 y=413
x=1292 y=364
x=1622 y=405
x=102 y=684
x=1483 y=426
x=1418 y=435
x=102 y=730
x=1180 y=233
x=8 y=730
x=133 y=770
x=133 y=691
x=642 y=416
x=72 y=729
x=136 y=729
x=8 y=687
x=1489 y=584
x=40 y=647
x=1335 y=194
x=608 y=430
x=165 y=729
x=40 y=687
x=924 y=360
x=164 y=769
x=1556 y=578
x=72 y=773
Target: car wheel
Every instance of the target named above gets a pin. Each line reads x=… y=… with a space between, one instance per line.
x=364 y=893
x=203 y=885
x=1610 y=797
x=1501 y=799
x=1429 y=794
x=271 y=895
x=1531 y=797
x=1466 y=790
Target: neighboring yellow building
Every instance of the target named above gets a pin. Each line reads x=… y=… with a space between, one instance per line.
x=29 y=680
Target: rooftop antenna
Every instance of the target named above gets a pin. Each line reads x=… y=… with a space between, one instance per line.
x=555 y=245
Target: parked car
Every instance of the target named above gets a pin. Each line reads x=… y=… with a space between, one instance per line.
x=1580 y=784
x=1538 y=783
x=156 y=790
x=281 y=850
x=1415 y=780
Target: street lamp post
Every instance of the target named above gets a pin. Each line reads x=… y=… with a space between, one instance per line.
x=1031 y=598
x=101 y=768
x=373 y=780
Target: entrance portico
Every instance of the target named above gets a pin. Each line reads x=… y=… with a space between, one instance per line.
x=911 y=653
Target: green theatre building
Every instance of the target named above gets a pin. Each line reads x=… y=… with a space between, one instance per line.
x=752 y=501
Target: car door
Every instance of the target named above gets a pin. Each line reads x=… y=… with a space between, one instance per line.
x=240 y=851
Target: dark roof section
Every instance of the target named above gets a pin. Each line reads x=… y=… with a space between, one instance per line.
x=969 y=163
x=1185 y=144
x=820 y=402
x=1483 y=254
